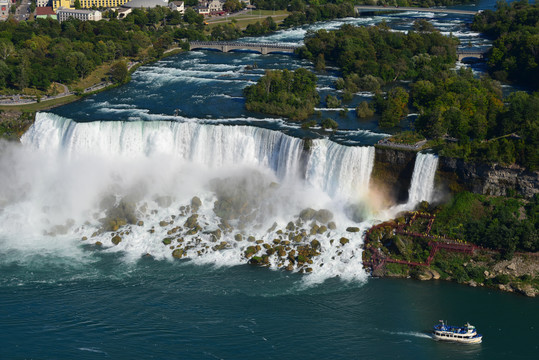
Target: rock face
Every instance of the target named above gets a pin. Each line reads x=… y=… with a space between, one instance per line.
x=487 y=179
x=392 y=172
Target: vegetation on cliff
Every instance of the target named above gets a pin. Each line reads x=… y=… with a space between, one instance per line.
x=469 y=240
x=515 y=52
x=499 y=223
x=284 y=93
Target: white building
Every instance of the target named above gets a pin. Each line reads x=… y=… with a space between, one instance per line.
x=83 y=15
x=212 y=6
x=177 y=6
x=42 y=3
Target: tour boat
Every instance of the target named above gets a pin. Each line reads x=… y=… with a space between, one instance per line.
x=462 y=334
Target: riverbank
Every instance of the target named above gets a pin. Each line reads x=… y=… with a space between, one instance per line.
x=406 y=248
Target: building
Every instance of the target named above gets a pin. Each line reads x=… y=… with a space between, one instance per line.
x=43 y=12
x=83 y=15
x=123 y=12
x=43 y=3
x=4 y=9
x=177 y=6
x=87 y=4
x=215 y=5
x=147 y=4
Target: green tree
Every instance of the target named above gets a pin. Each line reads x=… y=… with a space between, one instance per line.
x=119 y=72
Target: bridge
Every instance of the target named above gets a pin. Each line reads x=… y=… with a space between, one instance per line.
x=405 y=8
x=226 y=46
x=477 y=54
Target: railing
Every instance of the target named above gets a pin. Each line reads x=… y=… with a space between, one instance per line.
x=244 y=44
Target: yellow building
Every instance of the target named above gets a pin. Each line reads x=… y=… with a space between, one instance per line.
x=88 y=4
x=61 y=3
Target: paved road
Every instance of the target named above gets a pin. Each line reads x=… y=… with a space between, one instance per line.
x=23 y=11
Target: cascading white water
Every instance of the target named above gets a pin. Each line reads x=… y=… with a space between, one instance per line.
x=82 y=171
x=335 y=169
x=422 y=185
x=340 y=171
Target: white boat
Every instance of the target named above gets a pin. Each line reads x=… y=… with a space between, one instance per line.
x=463 y=334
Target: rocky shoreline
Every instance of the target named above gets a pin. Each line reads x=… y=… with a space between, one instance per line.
x=390 y=251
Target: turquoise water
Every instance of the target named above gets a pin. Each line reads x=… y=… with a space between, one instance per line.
x=161 y=310
x=61 y=298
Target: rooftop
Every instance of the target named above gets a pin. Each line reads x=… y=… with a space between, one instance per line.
x=44 y=10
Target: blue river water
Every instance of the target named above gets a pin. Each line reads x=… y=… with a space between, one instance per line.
x=61 y=298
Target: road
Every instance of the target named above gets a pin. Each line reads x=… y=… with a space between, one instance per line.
x=23 y=11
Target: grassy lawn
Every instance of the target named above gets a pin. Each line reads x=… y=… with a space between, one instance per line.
x=95 y=77
x=249 y=18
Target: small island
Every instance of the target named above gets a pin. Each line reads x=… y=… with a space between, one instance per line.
x=284 y=93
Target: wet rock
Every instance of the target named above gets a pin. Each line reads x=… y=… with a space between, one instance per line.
x=270 y=251
x=98 y=243
x=216 y=235
x=344 y=241
x=308 y=270
x=178 y=253
x=352 y=229
x=290 y=226
x=251 y=239
x=140 y=223
x=272 y=228
x=194 y=230
x=84 y=238
x=116 y=239
x=332 y=225
x=322 y=229
x=223 y=245
x=167 y=241
x=298 y=238
x=238 y=237
x=323 y=216
x=196 y=203
x=192 y=221
x=290 y=267
x=314 y=229
x=259 y=241
x=250 y=251
x=315 y=244
x=276 y=241
x=307 y=214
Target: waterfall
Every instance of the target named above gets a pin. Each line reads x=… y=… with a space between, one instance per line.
x=422 y=186
x=333 y=168
x=341 y=171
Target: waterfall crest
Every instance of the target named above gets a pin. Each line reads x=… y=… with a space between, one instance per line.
x=333 y=168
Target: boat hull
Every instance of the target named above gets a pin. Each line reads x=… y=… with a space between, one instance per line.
x=464 y=340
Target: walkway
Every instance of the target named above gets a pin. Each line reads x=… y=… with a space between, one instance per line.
x=226 y=46
x=419 y=9
x=436 y=243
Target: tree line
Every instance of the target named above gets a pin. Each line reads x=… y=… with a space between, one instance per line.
x=467 y=116
x=514 y=29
